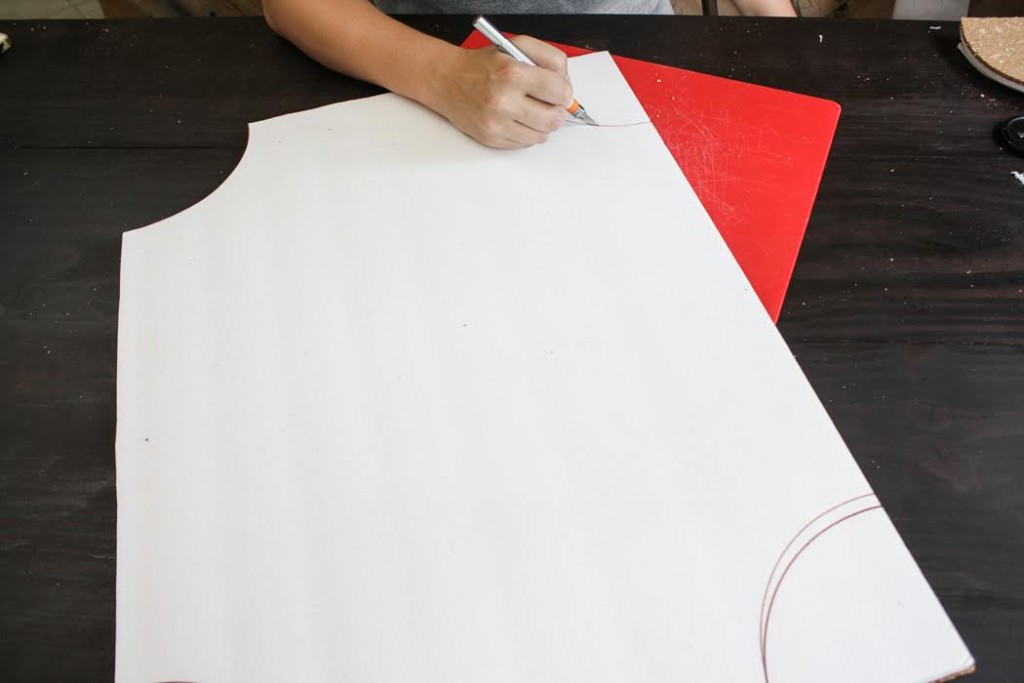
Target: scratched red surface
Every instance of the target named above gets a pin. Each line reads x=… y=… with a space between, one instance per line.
x=753 y=155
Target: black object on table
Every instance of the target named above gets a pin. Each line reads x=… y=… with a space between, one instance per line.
x=906 y=309
x=1012 y=132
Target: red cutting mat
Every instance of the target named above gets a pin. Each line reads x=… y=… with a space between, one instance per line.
x=754 y=156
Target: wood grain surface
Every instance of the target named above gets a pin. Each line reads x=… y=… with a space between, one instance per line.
x=906 y=309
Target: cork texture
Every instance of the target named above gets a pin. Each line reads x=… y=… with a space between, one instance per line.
x=998 y=43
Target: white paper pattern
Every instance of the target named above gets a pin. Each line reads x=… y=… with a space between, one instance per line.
x=397 y=408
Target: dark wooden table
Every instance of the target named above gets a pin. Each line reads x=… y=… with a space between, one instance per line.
x=906 y=309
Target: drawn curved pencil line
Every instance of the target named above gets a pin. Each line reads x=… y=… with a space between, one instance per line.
x=792 y=541
x=766 y=604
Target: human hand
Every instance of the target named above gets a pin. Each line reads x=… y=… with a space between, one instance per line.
x=501 y=102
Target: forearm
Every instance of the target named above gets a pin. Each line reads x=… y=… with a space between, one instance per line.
x=766 y=8
x=357 y=39
x=485 y=94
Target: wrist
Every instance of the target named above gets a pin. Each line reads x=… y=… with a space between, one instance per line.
x=431 y=82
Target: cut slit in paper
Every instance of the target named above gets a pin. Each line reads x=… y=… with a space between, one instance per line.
x=598 y=124
x=393 y=406
x=612 y=106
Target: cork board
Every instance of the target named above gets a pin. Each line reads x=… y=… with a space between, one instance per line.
x=995 y=46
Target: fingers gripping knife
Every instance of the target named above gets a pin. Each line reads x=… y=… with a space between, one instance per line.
x=492 y=34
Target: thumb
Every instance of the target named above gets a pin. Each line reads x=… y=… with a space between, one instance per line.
x=545 y=56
